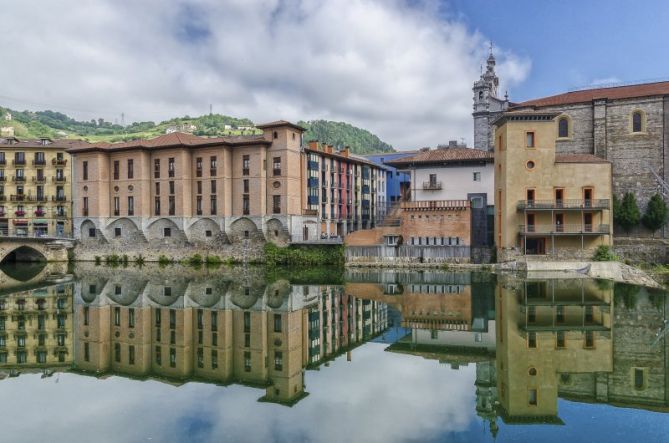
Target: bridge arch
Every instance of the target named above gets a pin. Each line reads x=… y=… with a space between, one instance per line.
x=244 y=228
x=24 y=253
x=276 y=233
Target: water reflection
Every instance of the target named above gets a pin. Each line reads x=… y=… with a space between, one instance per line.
x=508 y=348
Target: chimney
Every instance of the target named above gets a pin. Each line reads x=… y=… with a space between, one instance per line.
x=328 y=149
x=452 y=143
x=313 y=144
x=426 y=149
x=344 y=152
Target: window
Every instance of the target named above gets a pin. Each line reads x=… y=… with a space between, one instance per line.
x=171 y=205
x=276 y=204
x=433 y=179
x=637 y=121
x=247 y=361
x=560 y=340
x=171 y=186
x=639 y=378
x=563 y=127
x=131 y=318
x=116 y=169
x=589 y=339
x=85 y=171
x=275 y=135
x=277 y=322
x=213 y=187
x=167 y=232
x=170 y=167
x=246 y=186
x=207 y=233
x=532 y=340
x=131 y=205
x=198 y=167
x=117 y=315
x=559 y=314
x=532 y=397
x=157 y=318
x=214 y=316
x=245 y=205
x=117 y=352
x=87 y=311
x=278 y=360
x=530 y=139
x=199 y=186
x=200 y=358
x=276 y=165
x=117 y=232
x=247 y=322
x=159 y=359
x=477 y=176
x=156 y=168
x=157 y=188
x=87 y=355
x=173 y=358
x=156 y=206
x=85 y=206
x=212 y=205
x=246 y=160
x=214 y=359
x=212 y=165
x=131 y=354
x=117 y=206
x=500 y=144
x=530 y=164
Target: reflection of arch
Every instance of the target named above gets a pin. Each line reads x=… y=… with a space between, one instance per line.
x=245 y=295
x=167 y=293
x=23 y=254
x=197 y=232
x=123 y=292
x=277 y=292
x=23 y=272
x=275 y=232
x=242 y=229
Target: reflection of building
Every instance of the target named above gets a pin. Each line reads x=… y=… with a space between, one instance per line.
x=35 y=187
x=36 y=328
x=547 y=329
x=547 y=203
x=220 y=329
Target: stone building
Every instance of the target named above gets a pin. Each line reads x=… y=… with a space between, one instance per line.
x=487 y=105
x=547 y=203
x=626 y=125
x=35 y=187
x=181 y=189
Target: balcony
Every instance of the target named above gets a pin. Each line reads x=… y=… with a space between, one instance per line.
x=61 y=179
x=310 y=212
x=19 y=179
x=312 y=165
x=3 y=161
x=39 y=180
x=59 y=162
x=431 y=186
x=59 y=198
x=40 y=213
x=312 y=182
x=312 y=199
x=19 y=162
x=41 y=198
x=39 y=162
x=577 y=204
x=20 y=213
x=21 y=198
x=553 y=229
x=431 y=205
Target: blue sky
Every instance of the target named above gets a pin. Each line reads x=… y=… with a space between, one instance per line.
x=573 y=43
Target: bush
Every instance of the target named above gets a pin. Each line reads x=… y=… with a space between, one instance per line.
x=627 y=215
x=604 y=253
x=113 y=260
x=162 y=260
x=656 y=214
x=139 y=260
x=195 y=260
x=98 y=260
x=304 y=255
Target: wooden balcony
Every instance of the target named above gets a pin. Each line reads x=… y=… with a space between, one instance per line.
x=432 y=205
x=551 y=205
x=564 y=230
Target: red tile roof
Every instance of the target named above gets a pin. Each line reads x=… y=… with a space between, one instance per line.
x=579 y=158
x=588 y=95
x=445 y=155
x=280 y=123
x=175 y=139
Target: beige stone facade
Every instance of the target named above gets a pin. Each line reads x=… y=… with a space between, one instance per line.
x=547 y=204
x=35 y=188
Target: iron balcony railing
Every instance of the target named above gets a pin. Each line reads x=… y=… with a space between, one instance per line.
x=59 y=179
x=39 y=179
x=564 y=204
x=434 y=204
x=431 y=186
x=59 y=162
x=557 y=229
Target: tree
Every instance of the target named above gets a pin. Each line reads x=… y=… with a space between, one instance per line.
x=628 y=213
x=656 y=214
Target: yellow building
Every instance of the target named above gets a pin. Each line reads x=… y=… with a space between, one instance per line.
x=35 y=188
x=547 y=203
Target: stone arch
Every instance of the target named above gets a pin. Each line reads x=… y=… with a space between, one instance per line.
x=206 y=230
x=124 y=231
x=85 y=231
x=158 y=230
x=276 y=232
x=244 y=228
x=277 y=293
x=244 y=295
x=23 y=253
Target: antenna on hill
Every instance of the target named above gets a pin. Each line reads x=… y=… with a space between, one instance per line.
x=210 y=108
x=123 y=119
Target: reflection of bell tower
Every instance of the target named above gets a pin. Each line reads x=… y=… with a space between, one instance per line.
x=486 y=104
x=486 y=394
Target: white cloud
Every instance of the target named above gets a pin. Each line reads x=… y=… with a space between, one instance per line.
x=402 y=71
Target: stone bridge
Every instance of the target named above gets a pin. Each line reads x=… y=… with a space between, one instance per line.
x=34 y=249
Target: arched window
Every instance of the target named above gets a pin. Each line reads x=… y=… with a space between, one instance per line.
x=637 y=121
x=480 y=95
x=563 y=127
x=276 y=134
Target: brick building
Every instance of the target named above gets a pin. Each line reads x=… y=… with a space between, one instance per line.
x=35 y=188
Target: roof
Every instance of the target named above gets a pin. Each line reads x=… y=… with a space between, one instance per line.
x=588 y=95
x=174 y=139
x=351 y=157
x=579 y=158
x=445 y=155
x=55 y=144
x=278 y=123
x=524 y=116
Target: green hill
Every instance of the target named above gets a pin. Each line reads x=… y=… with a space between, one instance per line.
x=340 y=134
x=28 y=124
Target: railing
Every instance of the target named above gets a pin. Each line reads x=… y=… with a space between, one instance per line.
x=59 y=162
x=564 y=204
x=4 y=232
x=61 y=179
x=20 y=179
x=3 y=161
x=58 y=198
x=39 y=162
x=3 y=178
x=42 y=198
x=434 y=204
x=324 y=239
x=245 y=172
x=39 y=179
x=19 y=162
x=21 y=198
x=426 y=253
x=431 y=186
x=576 y=229
x=310 y=212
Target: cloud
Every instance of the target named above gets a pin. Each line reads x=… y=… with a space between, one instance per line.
x=400 y=69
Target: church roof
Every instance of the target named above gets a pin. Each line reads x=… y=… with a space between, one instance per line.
x=589 y=95
x=444 y=155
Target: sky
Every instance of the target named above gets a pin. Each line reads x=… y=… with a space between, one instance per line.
x=402 y=69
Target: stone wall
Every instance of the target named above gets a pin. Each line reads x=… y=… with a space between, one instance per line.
x=637 y=250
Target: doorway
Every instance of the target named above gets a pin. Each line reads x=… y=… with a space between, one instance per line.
x=535 y=246
x=587 y=222
x=559 y=222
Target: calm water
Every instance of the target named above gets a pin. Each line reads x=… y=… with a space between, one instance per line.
x=243 y=354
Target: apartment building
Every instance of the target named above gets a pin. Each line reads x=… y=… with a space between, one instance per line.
x=345 y=191
x=547 y=203
x=179 y=188
x=35 y=188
